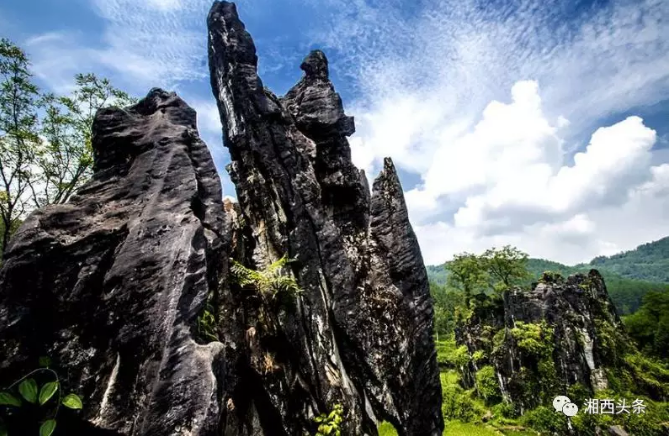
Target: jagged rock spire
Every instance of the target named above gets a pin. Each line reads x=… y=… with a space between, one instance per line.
x=363 y=332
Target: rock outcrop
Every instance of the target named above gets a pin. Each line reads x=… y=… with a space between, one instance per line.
x=109 y=285
x=361 y=332
x=562 y=337
x=135 y=289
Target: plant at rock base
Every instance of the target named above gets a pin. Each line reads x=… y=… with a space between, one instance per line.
x=27 y=400
x=329 y=424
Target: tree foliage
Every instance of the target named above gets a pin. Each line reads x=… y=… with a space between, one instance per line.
x=505 y=266
x=18 y=135
x=65 y=158
x=45 y=140
x=649 y=325
x=467 y=273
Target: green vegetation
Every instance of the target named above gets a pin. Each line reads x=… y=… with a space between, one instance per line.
x=271 y=282
x=386 y=429
x=629 y=276
x=647 y=262
x=493 y=271
x=329 y=424
x=648 y=326
x=45 y=140
x=35 y=398
x=467 y=273
x=478 y=407
x=487 y=385
x=206 y=329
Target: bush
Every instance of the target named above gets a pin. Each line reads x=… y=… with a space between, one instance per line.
x=546 y=421
x=459 y=404
x=487 y=384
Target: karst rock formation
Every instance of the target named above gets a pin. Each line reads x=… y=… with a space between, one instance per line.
x=133 y=289
x=563 y=334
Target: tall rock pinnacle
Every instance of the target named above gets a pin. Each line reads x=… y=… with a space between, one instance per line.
x=361 y=334
x=109 y=285
x=135 y=289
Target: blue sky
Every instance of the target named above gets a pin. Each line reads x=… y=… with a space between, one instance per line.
x=542 y=124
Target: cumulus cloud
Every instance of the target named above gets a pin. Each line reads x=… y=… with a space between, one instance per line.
x=524 y=193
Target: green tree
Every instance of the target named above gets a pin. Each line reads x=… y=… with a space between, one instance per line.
x=65 y=158
x=648 y=326
x=506 y=266
x=468 y=274
x=448 y=304
x=44 y=161
x=18 y=136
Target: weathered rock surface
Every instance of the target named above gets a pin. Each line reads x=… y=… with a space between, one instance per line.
x=360 y=334
x=109 y=285
x=128 y=287
x=564 y=335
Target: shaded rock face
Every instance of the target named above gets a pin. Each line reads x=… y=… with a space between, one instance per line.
x=360 y=333
x=562 y=334
x=109 y=285
x=128 y=287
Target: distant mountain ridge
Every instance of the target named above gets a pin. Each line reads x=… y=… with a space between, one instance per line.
x=648 y=262
x=628 y=275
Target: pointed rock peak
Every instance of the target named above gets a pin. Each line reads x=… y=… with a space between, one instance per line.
x=387 y=180
x=388 y=166
x=315 y=65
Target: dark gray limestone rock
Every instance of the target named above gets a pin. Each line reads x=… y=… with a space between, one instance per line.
x=360 y=333
x=562 y=335
x=109 y=286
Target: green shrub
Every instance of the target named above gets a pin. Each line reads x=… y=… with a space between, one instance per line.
x=546 y=421
x=478 y=356
x=459 y=404
x=487 y=384
x=534 y=339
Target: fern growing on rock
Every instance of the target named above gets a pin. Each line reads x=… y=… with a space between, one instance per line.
x=271 y=282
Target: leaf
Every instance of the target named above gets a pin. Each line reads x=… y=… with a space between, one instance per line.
x=72 y=401
x=28 y=389
x=48 y=427
x=3 y=428
x=9 y=399
x=48 y=391
x=44 y=362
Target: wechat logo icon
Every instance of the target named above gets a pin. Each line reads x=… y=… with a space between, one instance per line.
x=564 y=405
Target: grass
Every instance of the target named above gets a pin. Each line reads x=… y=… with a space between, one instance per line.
x=456 y=427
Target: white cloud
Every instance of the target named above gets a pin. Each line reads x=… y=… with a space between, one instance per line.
x=523 y=193
x=142 y=44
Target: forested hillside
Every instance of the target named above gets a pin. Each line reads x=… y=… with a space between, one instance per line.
x=629 y=275
x=648 y=262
